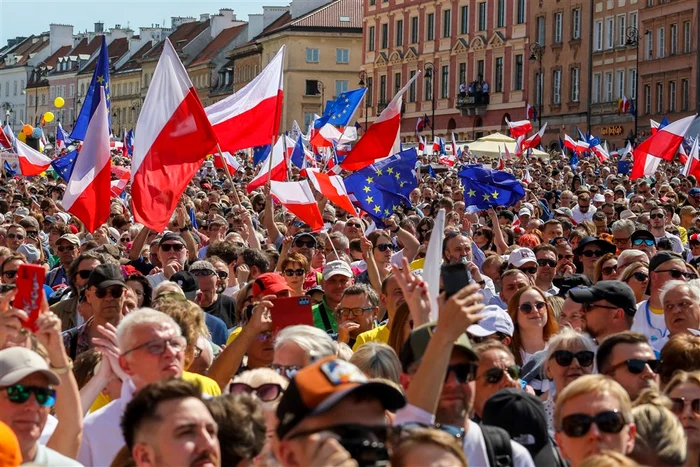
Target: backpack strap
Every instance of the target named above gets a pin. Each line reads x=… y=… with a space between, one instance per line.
x=498 y=447
x=324 y=317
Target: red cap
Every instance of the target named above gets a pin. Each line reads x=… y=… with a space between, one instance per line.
x=269 y=283
x=73 y=229
x=694 y=238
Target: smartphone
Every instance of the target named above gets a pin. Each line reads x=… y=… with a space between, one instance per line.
x=30 y=292
x=454 y=278
x=291 y=311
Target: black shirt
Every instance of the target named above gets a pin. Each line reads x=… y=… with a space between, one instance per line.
x=224 y=308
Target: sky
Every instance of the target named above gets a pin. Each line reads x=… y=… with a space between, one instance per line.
x=26 y=17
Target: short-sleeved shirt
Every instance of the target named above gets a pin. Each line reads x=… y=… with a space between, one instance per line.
x=380 y=335
x=323 y=309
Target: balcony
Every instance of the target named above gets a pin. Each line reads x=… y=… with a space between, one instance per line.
x=474 y=104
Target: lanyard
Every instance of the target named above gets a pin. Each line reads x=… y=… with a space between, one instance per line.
x=663 y=334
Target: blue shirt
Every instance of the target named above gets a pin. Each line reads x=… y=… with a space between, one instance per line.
x=217 y=329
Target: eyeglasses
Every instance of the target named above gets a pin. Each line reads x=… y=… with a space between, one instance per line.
x=32 y=233
x=464 y=372
x=636 y=366
x=675 y=273
x=645 y=241
x=353 y=311
x=656 y=216
x=115 y=292
x=265 y=392
x=577 y=425
x=157 y=346
x=62 y=249
x=479 y=232
x=495 y=375
x=9 y=274
x=124 y=240
x=386 y=246
x=544 y=262
x=527 y=308
x=590 y=253
x=678 y=405
x=166 y=247
x=202 y=272
x=305 y=243
x=609 y=270
x=620 y=240
x=85 y=274
x=292 y=272
x=19 y=394
x=353 y=224
x=15 y=236
x=406 y=429
x=222 y=274
x=566 y=357
x=640 y=276
x=288 y=371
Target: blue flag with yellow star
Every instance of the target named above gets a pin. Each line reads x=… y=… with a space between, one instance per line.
x=379 y=189
x=485 y=187
x=92 y=97
x=64 y=165
x=340 y=111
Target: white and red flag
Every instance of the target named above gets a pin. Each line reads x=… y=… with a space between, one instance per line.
x=326 y=137
x=123 y=175
x=31 y=161
x=534 y=140
x=231 y=162
x=692 y=163
x=298 y=198
x=665 y=142
x=519 y=128
x=251 y=116
x=333 y=188
x=273 y=167
x=174 y=138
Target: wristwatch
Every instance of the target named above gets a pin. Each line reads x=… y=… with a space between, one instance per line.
x=396 y=230
x=63 y=370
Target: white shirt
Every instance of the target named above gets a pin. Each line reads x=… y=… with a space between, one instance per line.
x=675 y=241
x=579 y=216
x=650 y=324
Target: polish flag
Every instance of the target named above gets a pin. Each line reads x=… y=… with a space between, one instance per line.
x=333 y=188
x=501 y=164
x=508 y=156
x=665 y=142
x=275 y=163
x=174 y=138
x=231 y=162
x=327 y=136
x=521 y=127
x=251 y=117
x=86 y=194
x=600 y=152
x=31 y=161
x=421 y=144
x=5 y=140
x=534 y=140
x=382 y=137
x=692 y=160
x=530 y=112
x=436 y=144
x=299 y=200
x=654 y=126
x=569 y=143
x=644 y=165
x=123 y=175
x=527 y=178
x=519 y=146
x=682 y=156
x=454 y=145
x=447 y=160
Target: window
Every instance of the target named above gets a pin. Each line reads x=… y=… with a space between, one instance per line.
x=498 y=75
x=385 y=35
x=632 y=88
x=341 y=86
x=464 y=20
x=685 y=95
x=518 y=77
x=609 y=33
x=309 y=116
x=671 y=96
x=520 y=12
x=82 y=89
x=501 y=14
x=575 y=81
x=447 y=23
x=647 y=99
x=312 y=55
x=633 y=20
x=399 y=33
x=71 y=115
x=369 y=96
x=312 y=88
x=445 y=82
x=414 y=30
x=482 y=16
x=15 y=87
x=428 y=83
x=412 y=88
x=43 y=100
x=556 y=87
x=372 y=2
x=595 y=98
x=397 y=82
x=370 y=39
x=342 y=55
x=576 y=24
x=621 y=31
x=480 y=69
x=540 y=30
x=686 y=37
x=620 y=83
x=52 y=90
x=430 y=27
x=598 y=36
x=661 y=52
x=674 y=39
x=558 y=24
x=382 y=89
x=462 y=73
x=659 y=98
x=608 y=86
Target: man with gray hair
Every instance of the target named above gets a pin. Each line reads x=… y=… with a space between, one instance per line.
x=622 y=231
x=356 y=312
x=212 y=302
x=681 y=302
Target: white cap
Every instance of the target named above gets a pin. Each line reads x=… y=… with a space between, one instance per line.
x=524 y=212
x=521 y=257
x=598 y=198
x=496 y=319
x=334 y=268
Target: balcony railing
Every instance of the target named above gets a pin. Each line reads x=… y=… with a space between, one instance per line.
x=474 y=104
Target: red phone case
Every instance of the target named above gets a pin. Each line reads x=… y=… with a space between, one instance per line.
x=30 y=292
x=291 y=311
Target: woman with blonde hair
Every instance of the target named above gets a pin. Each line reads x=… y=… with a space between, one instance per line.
x=377 y=361
x=534 y=323
x=605 y=268
x=684 y=392
x=636 y=275
x=400 y=327
x=659 y=439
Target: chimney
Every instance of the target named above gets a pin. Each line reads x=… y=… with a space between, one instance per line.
x=255 y=25
x=203 y=17
x=99 y=27
x=272 y=13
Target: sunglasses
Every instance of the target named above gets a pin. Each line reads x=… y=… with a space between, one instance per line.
x=166 y=247
x=547 y=263
x=678 y=405
x=353 y=224
x=479 y=232
x=32 y=233
x=202 y=272
x=464 y=372
x=609 y=270
x=645 y=241
x=527 y=308
x=124 y=240
x=495 y=375
x=9 y=274
x=114 y=292
x=640 y=276
x=62 y=249
x=222 y=274
x=565 y=357
x=590 y=253
x=675 y=273
x=636 y=366
x=157 y=346
x=19 y=394
x=292 y=272
x=15 y=236
x=288 y=371
x=656 y=216
x=305 y=243
x=578 y=424
x=85 y=274
x=532 y=270
x=386 y=246
x=265 y=392
x=568 y=257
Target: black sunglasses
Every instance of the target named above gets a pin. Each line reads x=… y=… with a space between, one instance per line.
x=527 y=308
x=166 y=247
x=265 y=392
x=85 y=273
x=464 y=372
x=566 y=357
x=115 y=292
x=544 y=262
x=386 y=246
x=590 y=253
x=495 y=375
x=305 y=243
x=15 y=236
x=222 y=274
x=609 y=270
x=292 y=272
x=675 y=273
x=678 y=404
x=62 y=249
x=640 y=276
x=577 y=425
x=636 y=366
x=530 y=270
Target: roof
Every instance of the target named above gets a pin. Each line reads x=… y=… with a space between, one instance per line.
x=180 y=38
x=51 y=63
x=85 y=47
x=26 y=49
x=215 y=46
x=276 y=24
x=343 y=14
x=115 y=50
x=133 y=62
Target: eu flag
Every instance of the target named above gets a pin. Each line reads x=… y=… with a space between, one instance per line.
x=340 y=111
x=260 y=153
x=64 y=165
x=99 y=78
x=298 y=154
x=486 y=187
x=8 y=169
x=379 y=189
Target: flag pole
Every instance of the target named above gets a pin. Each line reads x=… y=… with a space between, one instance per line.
x=228 y=174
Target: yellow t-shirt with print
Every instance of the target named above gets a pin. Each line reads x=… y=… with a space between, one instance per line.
x=380 y=335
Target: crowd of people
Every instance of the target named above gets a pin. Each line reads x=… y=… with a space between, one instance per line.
x=575 y=342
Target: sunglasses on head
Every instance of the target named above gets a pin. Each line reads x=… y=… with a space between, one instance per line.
x=386 y=246
x=645 y=241
x=527 y=308
x=305 y=243
x=566 y=357
x=288 y=371
x=590 y=253
x=15 y=236
x=678 y=405
x=636 y=366
x=265 y=392
x=578 y=424
x=544 y=262
x=202 y=272
x=292 y=272
x=114 y=292
x=19 y=394
x=166 y=247
x=464 y=372
x=495 y=375
x=675 y=273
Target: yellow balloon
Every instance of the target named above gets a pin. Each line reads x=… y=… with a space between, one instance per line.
x=22 y=137
x=48 y=117
x=27 y=130
x=59 y=102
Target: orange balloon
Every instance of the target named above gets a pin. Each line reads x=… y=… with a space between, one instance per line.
x=27 y=130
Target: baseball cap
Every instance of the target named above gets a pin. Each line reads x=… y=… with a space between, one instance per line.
x=30 y=252
x=524 y=212
x=496 y=319
x=643 y=234
x=208 y=164
x=65 y=218
x=17 y=363
x=305 y=235
x=616 y=292
x=572 y=281
x=336 y=267
x=522 y=415
x=319 y=387
x=171 y=237
x=418 y=340
x=187 y=282
x=598 y=198
x=563 y=212
x=106 y=275
x=694 y=192
x=607 y=247
x=627 y=214
x=202 y=266
x=662 y=257
x=694 y=238
x=70 y=238
x=50 y=219
x=21 y=211
x=521 y=256
x=269 y=283
x=10 y=452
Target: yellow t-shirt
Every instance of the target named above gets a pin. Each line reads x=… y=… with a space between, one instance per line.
x=233 y=335
x=380 y=335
